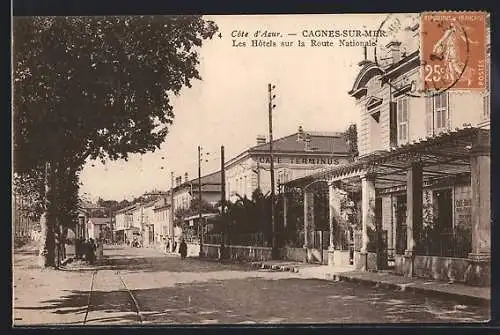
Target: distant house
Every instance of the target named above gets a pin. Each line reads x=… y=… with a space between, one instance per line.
x=97 y=226
x=189 y=190
x=161 y=219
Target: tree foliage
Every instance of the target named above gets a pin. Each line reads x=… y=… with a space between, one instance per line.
x=93 y=87
x=99 y=86
x=351 y=136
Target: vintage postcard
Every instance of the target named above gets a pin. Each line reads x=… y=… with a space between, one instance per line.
x=251 y=169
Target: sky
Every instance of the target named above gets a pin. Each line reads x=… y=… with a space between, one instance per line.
x=229 y=105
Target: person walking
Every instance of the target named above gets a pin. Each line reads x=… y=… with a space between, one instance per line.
x=91 y=248
x=183 y=249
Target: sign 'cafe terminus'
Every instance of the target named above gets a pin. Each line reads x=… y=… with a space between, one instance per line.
x=298 y=160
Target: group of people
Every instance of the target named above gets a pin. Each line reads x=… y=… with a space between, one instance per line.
x=182 y=247
x=86 y=249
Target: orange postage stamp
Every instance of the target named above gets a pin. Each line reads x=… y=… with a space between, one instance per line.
x=454 y=50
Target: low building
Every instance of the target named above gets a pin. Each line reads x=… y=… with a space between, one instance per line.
x=148 y=226
x=161 y=220
x=123 y=224
x=97 y=227
x=188 y=190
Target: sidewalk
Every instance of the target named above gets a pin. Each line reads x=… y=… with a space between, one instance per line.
x=457 y=291
x=41 y=295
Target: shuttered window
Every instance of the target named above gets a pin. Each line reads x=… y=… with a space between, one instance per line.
x=441 y=112
x=402 y=107
x=429 y=124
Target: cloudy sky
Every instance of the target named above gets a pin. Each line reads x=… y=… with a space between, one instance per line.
x=229 y=106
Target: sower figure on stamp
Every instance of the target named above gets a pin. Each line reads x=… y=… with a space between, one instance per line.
x=447 y=50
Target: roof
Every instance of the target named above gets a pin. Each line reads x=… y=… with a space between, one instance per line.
x=208 y=188
x=214 y=178
x=447 y=154
x=150 y=203
x=204 y=215
x=162 y=203
x=128 y=208
x=322 y=142
x=88 y=205
x=100 y=221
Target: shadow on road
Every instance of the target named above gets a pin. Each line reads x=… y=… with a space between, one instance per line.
x=258 y=300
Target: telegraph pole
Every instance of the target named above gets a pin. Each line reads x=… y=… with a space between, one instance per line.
x=200 y=224
x=223 y=188
x=223 y=178
x=273 y=223
x=171 y=230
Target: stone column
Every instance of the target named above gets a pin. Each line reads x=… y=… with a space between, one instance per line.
x=367 y=217
x=334 y=215
x=478 y=272
x=308 y=219
x=413 y=214
x=285 y=210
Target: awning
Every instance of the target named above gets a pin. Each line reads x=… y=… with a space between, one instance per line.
x=443 y=157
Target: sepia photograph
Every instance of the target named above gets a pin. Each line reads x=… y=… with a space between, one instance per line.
x=251 y=169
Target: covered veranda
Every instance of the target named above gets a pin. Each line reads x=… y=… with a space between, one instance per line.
x=404 y=174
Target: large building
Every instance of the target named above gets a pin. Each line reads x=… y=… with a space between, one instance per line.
x=422 y=181
x=295 y=155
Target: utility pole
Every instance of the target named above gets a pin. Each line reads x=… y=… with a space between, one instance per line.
x=223 y=187
x=223 y=178
x=171 y=231
x=200 y=224
x=273 y=223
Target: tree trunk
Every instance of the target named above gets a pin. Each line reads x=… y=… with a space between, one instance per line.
x=47 y=258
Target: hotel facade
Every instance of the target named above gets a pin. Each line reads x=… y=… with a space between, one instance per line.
x=295 y=155
x=423 y=166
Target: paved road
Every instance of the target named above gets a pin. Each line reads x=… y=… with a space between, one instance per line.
x=169 y=290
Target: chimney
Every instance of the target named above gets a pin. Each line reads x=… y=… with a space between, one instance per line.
x=300 y=134
x=261 y=139
x=307 y=142
x=178 y=181
x=394 y=51
x=186 y=179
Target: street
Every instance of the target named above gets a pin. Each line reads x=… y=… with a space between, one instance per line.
x=143 y=286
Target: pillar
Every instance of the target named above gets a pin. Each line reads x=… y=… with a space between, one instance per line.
x=285 y=210
x=308 y=219
x=478 y=272
x=413 y=214
x=367 y=217
x=334 y=216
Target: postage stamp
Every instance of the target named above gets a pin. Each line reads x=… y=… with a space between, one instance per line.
x=453 y=50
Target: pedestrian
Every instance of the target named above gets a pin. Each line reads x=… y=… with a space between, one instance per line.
x=183 y=249
x=78 y=248
x=222 y=251
x=91 y=248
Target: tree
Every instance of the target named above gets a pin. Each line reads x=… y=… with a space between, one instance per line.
x=351 y=137
x=96 y=87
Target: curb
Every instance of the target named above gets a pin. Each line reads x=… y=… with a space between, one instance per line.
x=466 y=299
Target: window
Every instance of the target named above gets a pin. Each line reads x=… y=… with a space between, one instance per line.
x=440 y=111
x=486 y=104
x=402 y=108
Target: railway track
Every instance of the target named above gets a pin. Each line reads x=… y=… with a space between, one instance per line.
x=110 y=300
